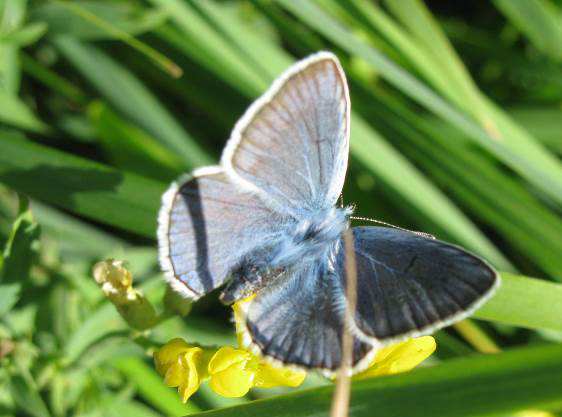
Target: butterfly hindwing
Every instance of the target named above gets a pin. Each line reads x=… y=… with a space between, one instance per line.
x=299 y=318
x=410 y=285
x=206 y=225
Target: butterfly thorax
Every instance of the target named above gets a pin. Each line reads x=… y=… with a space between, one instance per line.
x=303 y=241
x=312 y=236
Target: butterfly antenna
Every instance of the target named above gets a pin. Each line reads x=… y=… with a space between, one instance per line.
x=367 y=219
x=340 y=400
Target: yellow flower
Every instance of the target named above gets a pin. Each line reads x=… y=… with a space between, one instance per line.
x=182 y=366
x=400 y=357
x=269 y=376
x=231 y=371
x=234 y=371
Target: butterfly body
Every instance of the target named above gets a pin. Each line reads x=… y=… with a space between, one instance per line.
x=312 y=239
x=265 y=223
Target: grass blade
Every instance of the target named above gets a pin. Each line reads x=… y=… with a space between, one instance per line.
x=130 y=148
x=132 y=98
x=369 y=148
x=523 y=155
x=471 y=386
x=525 y=302
x=84 y=187
x=539 y=20
x=159 y=59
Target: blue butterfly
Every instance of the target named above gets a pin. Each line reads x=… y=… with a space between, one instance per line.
x=265 y=222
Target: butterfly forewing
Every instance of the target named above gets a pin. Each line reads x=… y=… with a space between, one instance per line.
x=292 y=144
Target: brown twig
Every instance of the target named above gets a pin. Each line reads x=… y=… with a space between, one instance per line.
x=340 y=401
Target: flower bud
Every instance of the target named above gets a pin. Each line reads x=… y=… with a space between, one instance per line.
x=116 y=283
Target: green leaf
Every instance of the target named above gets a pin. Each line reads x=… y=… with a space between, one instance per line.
x=427 y=34
x=466 y=387
x=132 y=98
x=84 y=187
x=10 y=75
x=100 y=323
x=525 y=302
x=51 y=79
x=151 y=388
x=12 y=16
x=25 y=394
x=57 y=395
x=544 y=122
x=108 y=349
x=21 y=248
x=73 y=237
x=9 y=296
x=14 y=112
x=108 y=27
x=203 y=43
x=25 y=36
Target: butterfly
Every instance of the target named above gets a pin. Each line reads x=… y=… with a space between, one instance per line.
x=265 y=222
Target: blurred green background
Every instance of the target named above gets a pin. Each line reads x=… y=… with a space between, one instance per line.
x=456 y=131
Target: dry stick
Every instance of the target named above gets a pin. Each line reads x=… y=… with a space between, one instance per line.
x=340 y=401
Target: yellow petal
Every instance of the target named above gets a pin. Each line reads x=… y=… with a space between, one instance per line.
x=231 y=375
x=174 y=375
x=232 y=382
x=180 y=364
x=168 y=354
x=269 y=376
x=191 y=380
x=187 y=389
x=238 y=317
x=400 y=357
x=227 y=357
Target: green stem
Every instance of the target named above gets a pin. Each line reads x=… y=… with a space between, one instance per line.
x=474 y=335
